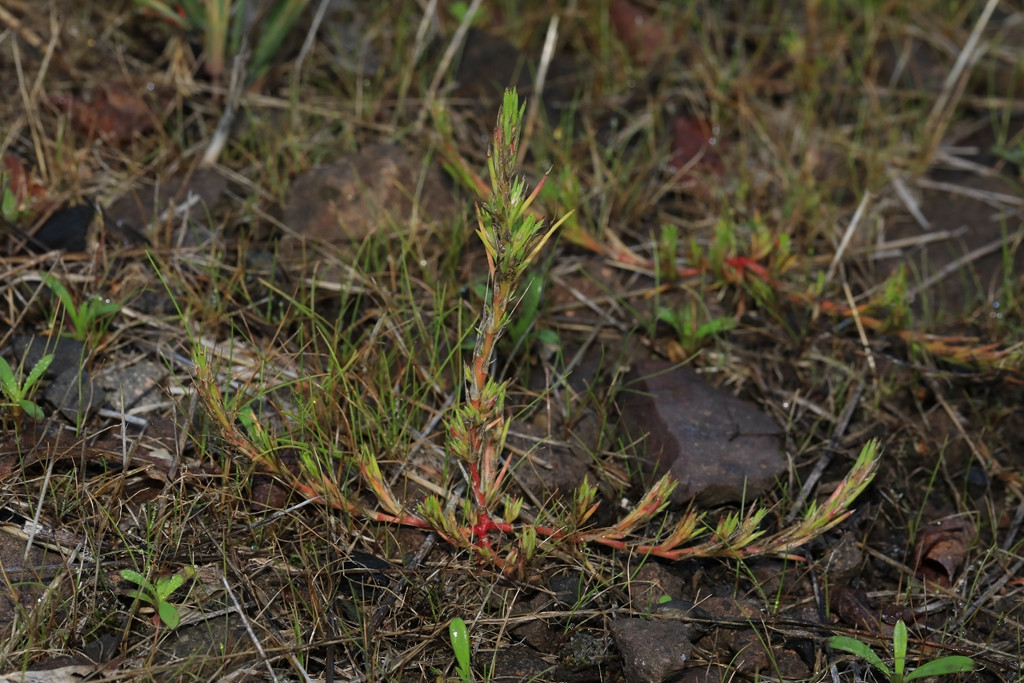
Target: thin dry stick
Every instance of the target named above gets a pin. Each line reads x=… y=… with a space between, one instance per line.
x=307 y=47
x=39 y=508
x=858 y=215
x=855 y=314
x=223 y=131
x=993 y=587
x=533 y=106
x=954 y=266
x=853 y=399
x=998 y=200
x=449 y=55
x=419 y=44
x=307 y=44
x=30 y=114
x=991 y=465
x=953 y=87
x=913 y=207
x=882 y=250
x=1014 y=528
x=248 y=628
x=385 y=608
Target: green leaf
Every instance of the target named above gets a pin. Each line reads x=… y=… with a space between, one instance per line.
x=952 y=664
x=459 y=634
x=167 y=585
x=60 y=291
x=859 y=649
x=142 y=596
x=135 y=577
x=899 y=648
x=31 y=409
x=458 y=9
x=716 y=326
x=146 y=590
x=278 y=24
x=100 y=308
x=7 y=382
x=548 y=337
x=10 y=206
x=37 y=373
x=168 y=614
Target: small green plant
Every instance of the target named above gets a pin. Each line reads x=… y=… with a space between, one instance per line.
x=9 y=206
x=84 y=318
x=942 y=666
x=222 y=27
x=157 y=594
x=17 y=394
x=488 y=520
x=458 y=10
x=459 y=635
x=692 y=331
x=668 y=245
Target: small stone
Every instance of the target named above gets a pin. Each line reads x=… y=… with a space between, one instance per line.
x=130 y=384
x=719 y=448
x=519 y=663
x=568 y=589
x=74 y=394
x=363 y=193
x=68 y=354
x=135 y=217
x=651 y=650
x=651 y=583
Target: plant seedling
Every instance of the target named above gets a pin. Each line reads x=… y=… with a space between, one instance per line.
x=691 y=332
x=16 y=394
x=157 y=594
x=222 y=24
x=459 y=635
x=937 y=667
x=84 y=317
x=9 y=208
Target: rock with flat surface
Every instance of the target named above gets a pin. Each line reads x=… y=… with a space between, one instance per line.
x=651 y=650
x=376 y=189
x=721 y=449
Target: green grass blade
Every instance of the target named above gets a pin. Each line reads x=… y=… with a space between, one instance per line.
x=163 y=11
x=278 y=24
x=60 y=291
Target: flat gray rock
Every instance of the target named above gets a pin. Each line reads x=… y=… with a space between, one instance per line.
x=719 y=448
x=651 y=650
x=75 y=394
x=363 y=193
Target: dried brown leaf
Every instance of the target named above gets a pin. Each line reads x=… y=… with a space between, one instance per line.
x=942 y=549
